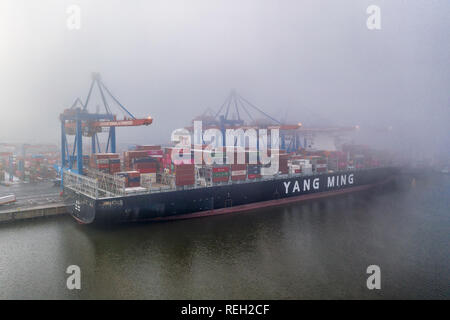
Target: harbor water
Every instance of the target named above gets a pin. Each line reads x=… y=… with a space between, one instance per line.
x=312 y=250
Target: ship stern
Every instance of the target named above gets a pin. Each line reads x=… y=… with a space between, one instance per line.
x=80 y=206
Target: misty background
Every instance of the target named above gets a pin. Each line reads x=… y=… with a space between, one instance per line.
x=313 y=62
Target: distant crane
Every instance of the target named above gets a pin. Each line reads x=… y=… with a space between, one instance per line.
x=292 y=136
x=77 y=121
x=231 y=116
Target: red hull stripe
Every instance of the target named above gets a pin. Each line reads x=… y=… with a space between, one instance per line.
x=78 y=220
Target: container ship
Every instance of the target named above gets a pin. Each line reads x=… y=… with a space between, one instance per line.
x=151 y=187
x=145 y=183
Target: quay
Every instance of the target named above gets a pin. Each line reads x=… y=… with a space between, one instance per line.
x=49 y=210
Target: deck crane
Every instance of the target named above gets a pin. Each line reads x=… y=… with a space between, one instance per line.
x=77 y=121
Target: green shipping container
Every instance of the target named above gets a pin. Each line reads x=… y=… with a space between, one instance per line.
x=220 y=174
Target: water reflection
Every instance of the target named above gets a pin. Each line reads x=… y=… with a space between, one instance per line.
x=317 y=249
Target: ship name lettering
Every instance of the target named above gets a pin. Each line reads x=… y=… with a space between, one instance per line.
x=339 y=181
x=305 y=186
x=286 y=186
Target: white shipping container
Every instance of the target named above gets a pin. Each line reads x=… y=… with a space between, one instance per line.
x=135 y=190
x=148 y=177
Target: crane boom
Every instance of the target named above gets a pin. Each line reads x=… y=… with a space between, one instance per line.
x=114 y=123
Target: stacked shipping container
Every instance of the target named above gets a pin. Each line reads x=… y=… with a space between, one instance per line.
x=145 y=165
x=238 y=172
x=146 y=160
x=104 y=162
x=220 y=174
x=129 y=156
x=149 y=160
x=253 y=171
x=114 y=165
x=132 y=178
x=184 y=174
x=283 y=164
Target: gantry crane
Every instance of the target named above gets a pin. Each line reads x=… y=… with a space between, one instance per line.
x=77 y=121
x=292 y=136
x=235 y=103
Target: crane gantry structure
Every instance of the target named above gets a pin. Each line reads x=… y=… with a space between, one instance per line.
x=79 y=122
x=231 y=116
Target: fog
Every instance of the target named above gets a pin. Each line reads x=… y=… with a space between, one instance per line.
x=314 y=62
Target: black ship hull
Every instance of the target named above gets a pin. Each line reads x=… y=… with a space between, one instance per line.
x=190 y=203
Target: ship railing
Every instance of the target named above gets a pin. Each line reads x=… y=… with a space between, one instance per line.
x=80 y=183
x=108 y=185
x=102 y=185
x=95 y=185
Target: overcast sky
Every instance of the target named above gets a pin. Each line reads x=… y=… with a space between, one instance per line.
x=305 y=61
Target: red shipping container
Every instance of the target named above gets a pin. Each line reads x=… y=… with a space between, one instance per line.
x=132 y=174
x=135 y=154
x=282 y=163
x=147 y=170
x=283 y=167
x=147 y=163
x=184 y=184
x=184 y=172
x=187 y=179
x=236 y=178
x=184 y=169
x=155 y=152
x=184 y=177
x=238 y=167
x=148 y=147
x=96 y=156
x=221 y=169
x=220 y=179
x=184 y=180
x=145 y=167
x=254 y=176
